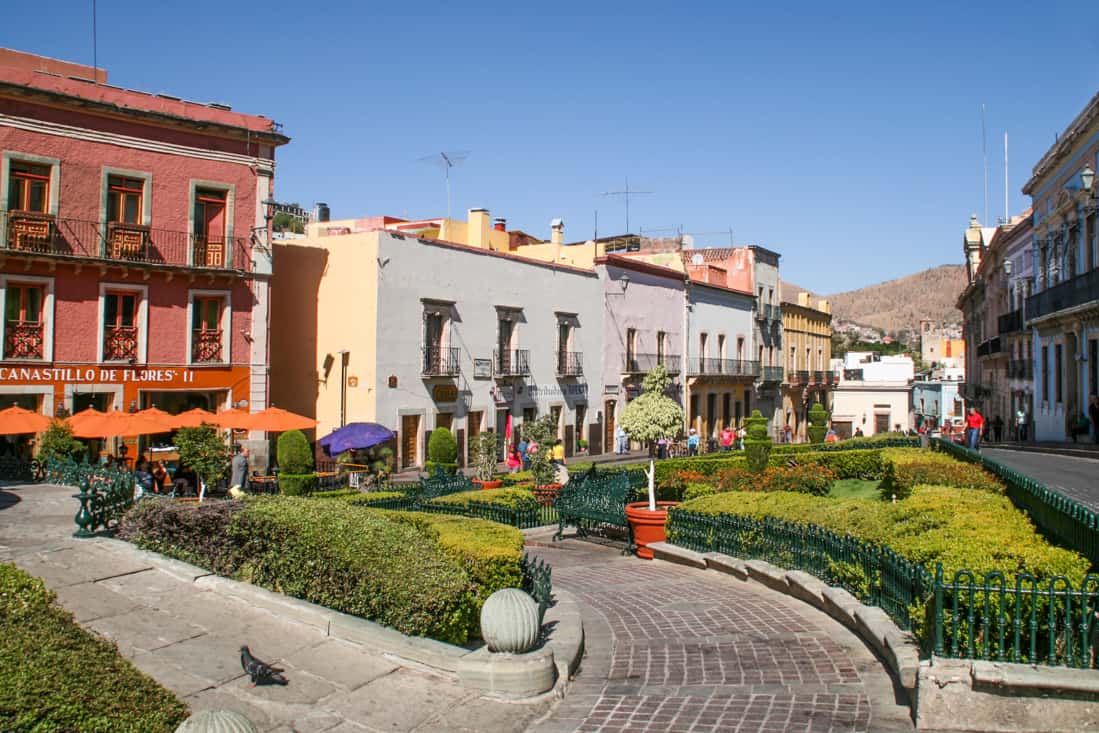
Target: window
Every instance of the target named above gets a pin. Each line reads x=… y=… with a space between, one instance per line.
x=29 y=187
x=721 y=345
x=210 y=227
x=124 y=196
x=120 y=326
x=702 y=339
x=1057 y=382
x=206 y=331
x=1045 y=374
x=23 y=321
x=661 y=348
x=740 y=347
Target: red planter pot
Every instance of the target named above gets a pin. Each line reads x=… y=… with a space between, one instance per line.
x=547 y=493
x=495 y=484
x=648 y=525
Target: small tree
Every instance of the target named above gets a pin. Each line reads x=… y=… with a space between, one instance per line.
x=294 y=454
x=653 y=415
x=757 y=444
x=57 y=442
x=204 y=451
x=442 y=451
x=540 y=435
x=818 y=423
x=484 y=456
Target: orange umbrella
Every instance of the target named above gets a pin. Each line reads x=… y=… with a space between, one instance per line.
x=277 y=420
x=233 y=418
x=119 y=424
x=16 y=421
x=193 y=418
x=85 y=417
x=157 y=414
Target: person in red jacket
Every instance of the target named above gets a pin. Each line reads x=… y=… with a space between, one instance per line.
x=974 y=423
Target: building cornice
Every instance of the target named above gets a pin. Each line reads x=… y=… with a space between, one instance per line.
x=1065 y=142
x=629 y=263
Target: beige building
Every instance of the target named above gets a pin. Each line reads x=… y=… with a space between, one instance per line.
x=807 y=355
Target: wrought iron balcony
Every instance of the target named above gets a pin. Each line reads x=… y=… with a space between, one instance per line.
x=766 y=312
x=23 y=340
x=440 y=361
x=42 y=235
x=771 y=374
x=644 y=363
x=570 y=363
x=818 y=377
x=1077 y=291
x=702 y=366
x=119 y=343
x=205 y=347
x=990 y=347
x=512 y=363
x=1010 y=322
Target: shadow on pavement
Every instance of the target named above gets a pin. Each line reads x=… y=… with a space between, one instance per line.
x=8 y=499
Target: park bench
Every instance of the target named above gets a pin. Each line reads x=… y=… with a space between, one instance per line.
x=442 y=484
x=592 y=499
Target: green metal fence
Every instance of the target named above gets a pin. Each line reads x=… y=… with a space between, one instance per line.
x=537 y=576
x=105 y=493
x=873 y=574
x=1068 y=522
x=522 y=517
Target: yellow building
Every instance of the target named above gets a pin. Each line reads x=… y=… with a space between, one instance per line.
x=807 y=355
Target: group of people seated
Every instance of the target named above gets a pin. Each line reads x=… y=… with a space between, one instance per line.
x=155 y=479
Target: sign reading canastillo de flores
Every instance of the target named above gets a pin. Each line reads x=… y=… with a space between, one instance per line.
x=94 y=374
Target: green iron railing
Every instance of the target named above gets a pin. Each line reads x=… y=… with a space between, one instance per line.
x=105 y=493
x=521 y=517
x=1068 y=522
x=875 y=575
x=537 y=576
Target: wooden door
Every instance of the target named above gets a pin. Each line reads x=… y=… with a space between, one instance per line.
x=608 y=425
x=881 y=423
x=410 y=430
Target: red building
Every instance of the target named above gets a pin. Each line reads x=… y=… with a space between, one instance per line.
x=134 y=258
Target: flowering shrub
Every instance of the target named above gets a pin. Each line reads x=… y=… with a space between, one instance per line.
x=811 y=479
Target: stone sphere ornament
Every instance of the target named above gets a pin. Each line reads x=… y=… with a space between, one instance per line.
x=510 y=622
x=217 y=721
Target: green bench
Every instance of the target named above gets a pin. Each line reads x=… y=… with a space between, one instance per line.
x=442 y=484
x=594 y=498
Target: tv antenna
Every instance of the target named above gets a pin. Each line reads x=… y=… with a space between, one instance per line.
x=626 y=194
x=446 y=160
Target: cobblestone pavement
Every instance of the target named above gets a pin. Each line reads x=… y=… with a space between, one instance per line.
x=671 y=648
x=1071 y=476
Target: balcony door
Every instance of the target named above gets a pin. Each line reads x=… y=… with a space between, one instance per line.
x=120 y=326
x=210 y=227
x=23 y=326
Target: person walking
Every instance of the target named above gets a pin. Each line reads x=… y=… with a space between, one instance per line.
x=558 y=454
x=974 y=423
x=524 y=459
x=622 y=442
x=1093 y=415
x=514 y=461
x=238 y=476
x=728 y=435
x=1021 y=425
x=692 y=443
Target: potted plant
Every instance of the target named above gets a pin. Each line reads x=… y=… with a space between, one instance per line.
x=484 y=447
x=540 y=435
x=649 y=418
x=581 y=446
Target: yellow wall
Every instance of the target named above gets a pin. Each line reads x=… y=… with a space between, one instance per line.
x=806 y=328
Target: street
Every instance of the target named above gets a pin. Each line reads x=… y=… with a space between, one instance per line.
x=1074 y=477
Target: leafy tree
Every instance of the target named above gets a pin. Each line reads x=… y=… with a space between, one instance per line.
x=541 y=435
x=442 y=451
x=294 y=454
x=653 y=415
x=204 y=451
x=757 y=444
x=57 y=442
x=484 y=455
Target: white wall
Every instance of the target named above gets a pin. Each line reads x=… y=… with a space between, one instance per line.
x=718 y=311
x=853 y=403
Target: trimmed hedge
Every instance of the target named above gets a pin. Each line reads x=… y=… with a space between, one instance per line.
x=809 y=479
x=54 y=676
x=903 y=470
x=303 y=484
x=958 y=527
x=294 y=454
x=515 y=498
x=336 y=554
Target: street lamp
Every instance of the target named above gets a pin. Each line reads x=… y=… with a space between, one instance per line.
x=1087 y=177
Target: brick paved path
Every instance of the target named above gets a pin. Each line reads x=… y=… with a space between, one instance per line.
x=671 y=648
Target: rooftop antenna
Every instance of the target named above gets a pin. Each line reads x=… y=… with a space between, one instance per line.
x=95 y=48
x=984 y=159
x=446 y=161
x=626 y=194
x=1007 y=215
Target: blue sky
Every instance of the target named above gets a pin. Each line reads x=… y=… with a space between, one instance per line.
x=846 y=136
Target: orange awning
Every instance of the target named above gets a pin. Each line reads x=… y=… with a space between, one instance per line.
x=233 y=418
x=119 y=424
x=16 y=421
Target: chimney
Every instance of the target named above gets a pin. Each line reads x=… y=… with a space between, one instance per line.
x=557 y=231
x=500 y=224
x=478 y=229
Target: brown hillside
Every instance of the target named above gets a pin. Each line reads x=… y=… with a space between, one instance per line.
x=898 y=304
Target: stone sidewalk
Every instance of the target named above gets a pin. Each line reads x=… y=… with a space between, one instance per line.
x=188 y=639
x=677 y=649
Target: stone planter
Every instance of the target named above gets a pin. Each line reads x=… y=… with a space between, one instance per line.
x=648 y=525
x=493 y=484
x=547 y=493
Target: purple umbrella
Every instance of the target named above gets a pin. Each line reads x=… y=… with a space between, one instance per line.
x=356 y=436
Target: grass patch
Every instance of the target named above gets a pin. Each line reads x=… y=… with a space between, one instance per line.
x=855 y=488
x=54 y=676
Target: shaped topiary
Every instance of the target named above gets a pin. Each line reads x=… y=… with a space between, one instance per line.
x=294 y=454
x=757 y=444
x=442 y=451
x=818 y=423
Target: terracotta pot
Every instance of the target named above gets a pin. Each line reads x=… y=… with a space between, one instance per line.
x=546 y=493
x=648 y=525
x=494 y=484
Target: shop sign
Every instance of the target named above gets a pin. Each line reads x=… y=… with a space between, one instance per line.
x=95 y=374
x=571 y=390
x=610 y=389
x=444 y=393
x=482 y=368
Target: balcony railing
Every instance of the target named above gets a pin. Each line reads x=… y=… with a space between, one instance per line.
x=1077 y=291
x=23 y=340
x=119 y=343
x=512 y=363
x=765 y=312
x=644 y=363
x=818 y=377
x=570 y=363
x=723 y=367
x=44 y=235
x=205 y=346
x=770 y=374
x=1010 y=322
x=440 y=361
x=990 y=347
